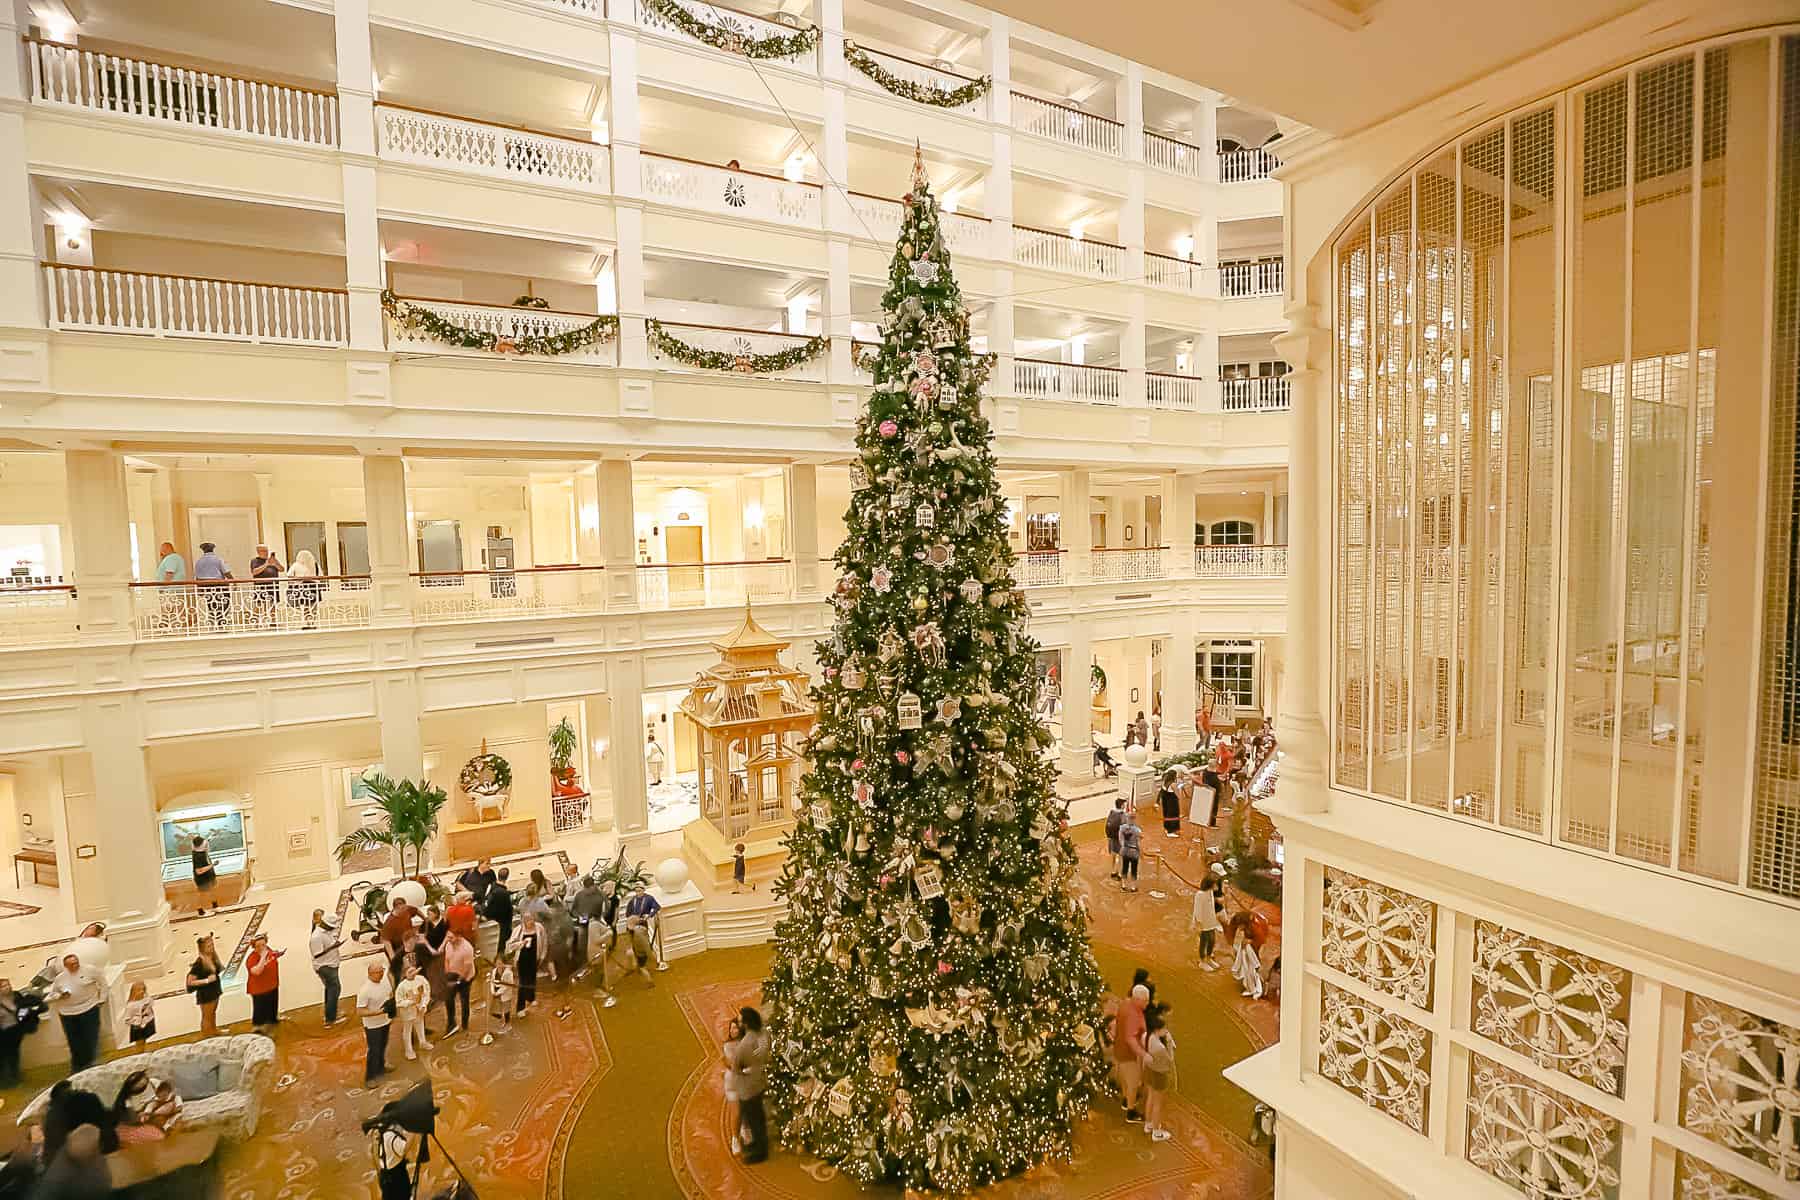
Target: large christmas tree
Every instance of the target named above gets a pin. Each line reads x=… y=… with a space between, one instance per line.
x=934 y=1003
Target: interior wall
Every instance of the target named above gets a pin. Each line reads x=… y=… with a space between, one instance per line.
x=519 y=733
x=216 y=260
x=483 y=287
x=34 y=491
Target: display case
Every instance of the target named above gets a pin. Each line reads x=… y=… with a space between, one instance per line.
x=219 y=818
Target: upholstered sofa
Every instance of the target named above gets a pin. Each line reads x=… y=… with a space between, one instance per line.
x=219 y=1080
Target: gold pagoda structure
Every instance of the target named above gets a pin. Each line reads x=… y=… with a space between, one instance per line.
x=750 y=713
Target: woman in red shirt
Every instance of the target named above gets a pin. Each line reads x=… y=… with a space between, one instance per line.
x=264 y=985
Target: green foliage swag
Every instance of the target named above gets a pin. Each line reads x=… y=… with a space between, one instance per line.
x=723 y=37
x=597 y=332
x=934 y=1006
x=908 y=89
x=724 y=360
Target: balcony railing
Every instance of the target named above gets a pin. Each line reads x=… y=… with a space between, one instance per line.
x=212 y=608
x=1265 y=393
x=76 y=78
x=1173 y=154
x=1180 y=393
x=1243 y=166
x=502 y=321
x=1044 y=380
x=879 y=218
x=194 y=307
x=595 y=9
x=1263 y=277
x=1240 y=562
x=730 y=191
x=924 y=74
x=433 y=139
x=522 y=592
x=1127 y=564
x=1176 y=274
x=1073 y=255
x=747 y=25
x=709 y=585
x=36 y=614
x=1039 y=568
x=735 y=341
x=1070 y=126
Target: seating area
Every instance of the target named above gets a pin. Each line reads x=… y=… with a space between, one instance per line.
x=219 y=1079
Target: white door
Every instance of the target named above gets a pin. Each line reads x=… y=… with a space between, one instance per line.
x=234 y=531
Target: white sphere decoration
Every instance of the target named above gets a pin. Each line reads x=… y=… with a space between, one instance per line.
x=1136 y=756
x=671 y=875
x=409 y=890
x=93 y=952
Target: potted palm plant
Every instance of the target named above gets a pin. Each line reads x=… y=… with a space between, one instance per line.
x=409 y=820
x=564 y=780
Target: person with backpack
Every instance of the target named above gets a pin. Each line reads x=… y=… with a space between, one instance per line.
x=1114 y=819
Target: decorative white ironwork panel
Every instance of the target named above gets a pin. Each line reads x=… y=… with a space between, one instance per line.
x=1740 y=1083
x=1700 y=1180
x=1563 y=1010
x=1382 y=1059
x=1538 y=1141
x=1379 y=935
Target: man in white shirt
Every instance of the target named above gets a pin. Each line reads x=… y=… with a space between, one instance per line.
x=326 y=947
x=371 y=1006
x=75 y=997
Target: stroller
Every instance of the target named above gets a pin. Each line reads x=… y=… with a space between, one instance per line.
x=1103 y=762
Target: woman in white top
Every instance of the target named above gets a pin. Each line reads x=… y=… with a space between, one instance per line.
x=303 y=587
x=1206 y=920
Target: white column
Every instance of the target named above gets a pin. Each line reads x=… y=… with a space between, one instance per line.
x=364 y=276
x=100 y=513
x=618 y=537
x=836 y=306
x=630 y=787
x=1206 y=362
x=265 y=515
x=598 y=755
x=21 y=224
x=125 y=849
x=1178 y=522
x=1001 y=335
x=1206 y=250
x=803 y=530
x=997 y=193
x=402 y=741
x=1131 y=342
x=1076 y=539
x=1130 y=107
x=625 y=131
x=1266 y=534
x=589 y=552
x=1178 y=731
x=1077 y=702
x=1307 y=347
x=1206 y=134
x=834 y=149
x=386 y=510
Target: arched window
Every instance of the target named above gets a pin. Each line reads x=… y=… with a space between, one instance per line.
x=1232 y=533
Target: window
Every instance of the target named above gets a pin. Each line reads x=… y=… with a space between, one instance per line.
x=1232 y=533
x=1231 y=668
x=306 y=535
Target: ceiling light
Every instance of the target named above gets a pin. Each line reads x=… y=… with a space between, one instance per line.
x=795 y=168
x=1184 y=245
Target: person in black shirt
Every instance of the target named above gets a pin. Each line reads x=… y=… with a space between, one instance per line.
x=265 y=569
x=477 y=880
x=498 y=908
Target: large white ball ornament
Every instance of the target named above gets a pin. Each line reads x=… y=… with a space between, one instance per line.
x=409 y=890
x=1136 y=756
x=671 y=875
x=93 y=952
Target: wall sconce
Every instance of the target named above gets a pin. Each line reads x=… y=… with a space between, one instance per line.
x=1184 y=246
x=71 y=230
x=753 y=515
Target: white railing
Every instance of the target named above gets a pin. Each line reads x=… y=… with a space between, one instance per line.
x=189 y=306
x=1041 y=379
x=1039 y=568
x=1240 y=562
x=712 y=585
x=736 y=342
x=1178 y=392
x=431 y=139
x=1120 y=566
x=1060 y=252
x=1070 y=126
x=493 y=595
x=506 y=322
x=36 y=614
x=1265 y=393
x=1173 y=154
x=132 y=87
x=731 y=192
x=745 y=25
x=1176 y=274
x=879 y=218
x=1263 y=277
x=924 y=74
x=211 y=609
x=584 y=8
x=1242 y=166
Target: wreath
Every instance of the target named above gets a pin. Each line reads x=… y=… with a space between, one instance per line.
x=485 y=775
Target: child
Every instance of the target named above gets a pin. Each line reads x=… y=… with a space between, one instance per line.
x=140 y=1015
x=412 y=998
x=737 y=870
x=165 y=1110
x=1159 y=1074
x=503 y=991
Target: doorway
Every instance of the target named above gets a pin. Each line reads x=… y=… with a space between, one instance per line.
x=306 y=535
x=684 y=544
x=234 y=532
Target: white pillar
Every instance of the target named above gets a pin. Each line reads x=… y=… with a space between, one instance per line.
x=997 y=193
x=1131 y=342
x=1206 y=134
x=100 y=513
x=589 y=553
x=1130 y=107
x=1206 y=250
x=1206 y=362
x=1266 y=534
x=1307 y=347
x=598 y=755
x=265 y=513
x=402 y=741
x=1178 y=730
x=125 y=847
x=1001 y=335
x=836 y=306
x=363 y=273
x=625 y=132
x=1078 y=702
x=1076 y=539
x=21 y=224
x=385 y=509
x=630 y=786
x=1178 y=522
x=618 y=537
x=803 y=531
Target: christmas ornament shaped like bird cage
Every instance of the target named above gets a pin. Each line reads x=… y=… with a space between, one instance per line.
x=908 y=711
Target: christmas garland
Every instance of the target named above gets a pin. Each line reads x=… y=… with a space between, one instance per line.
x=722 y=37
x=485 y=775
x=690 y=355
x=908 y=89
x=597 y=332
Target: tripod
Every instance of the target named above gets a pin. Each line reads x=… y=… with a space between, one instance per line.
x=464 y=1190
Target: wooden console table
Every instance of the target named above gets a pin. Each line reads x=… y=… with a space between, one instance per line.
x=42 y=864
x=486 y=839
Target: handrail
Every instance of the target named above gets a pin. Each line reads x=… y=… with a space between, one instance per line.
x=1176 y=375
x=163 y=58
x=305 y=287
x=804 y=337
x=14 y=589
x=1122 y=549
x=767 y=20
x=737 y=562
x=915 y=62
x=1050 y=362
x=561 y=312
x=468 y=120
x=1078 y=111
x=246 y=582
x=891 y=200
x=1086 y=241
x=695 y=162
x=546 y=568
x=1167 y=137
x=1186 y=262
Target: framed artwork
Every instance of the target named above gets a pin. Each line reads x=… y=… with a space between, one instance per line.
x=1128 y=535
x=356 y=784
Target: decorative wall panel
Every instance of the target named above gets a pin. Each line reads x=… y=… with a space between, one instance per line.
x=1699 y=1180
x=1563 y=1010
x=1380 y=936
x=1740 y=1084
x=1537 y=1141
x=1382 y=1059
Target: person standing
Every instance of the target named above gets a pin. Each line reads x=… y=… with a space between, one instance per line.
x=303 y=588
x=1128 y=1049
x=374 y=1004
x=477 y=879
x=264 y=985
x=459 y=978
x=1129 y=849
x=528 y=945
x=140 y=1016
x=648 y=909
x=206 y=875
x=265 y=569
x=1159 y=1074
x=748 y=1060
x=460 y=916
x=503 y=993
x=498 y=908
x=654 y=759
x=1206 y=920
x=17 y=1018
x=1170 y=800
x=205 y=980
x=170 y=566
x=213 y=576
x=393 y=1155
x=327 y=952
x=588 y=904
x=412 y=997
x=1114 y=819
x=1246 y=961
x=74 y=997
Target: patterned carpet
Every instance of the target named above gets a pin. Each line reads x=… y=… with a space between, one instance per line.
x=231 y=929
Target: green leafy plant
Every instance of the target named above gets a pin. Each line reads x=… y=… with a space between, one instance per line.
x=1097 y=678
x=624 y=876
x=409 y=820
x=688 y=354
x=1246 y=869
x=562 y=745
x=722 y=37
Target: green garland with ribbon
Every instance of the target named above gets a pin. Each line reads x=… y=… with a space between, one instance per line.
x=722 y=37
x=664 y=342
x=420 y=319
x=909 y=89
